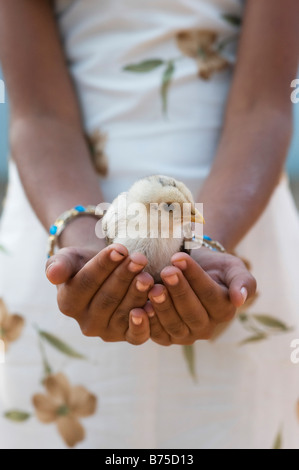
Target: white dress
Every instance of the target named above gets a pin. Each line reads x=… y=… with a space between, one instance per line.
x=60 y=389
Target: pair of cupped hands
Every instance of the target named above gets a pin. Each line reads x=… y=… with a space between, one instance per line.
x=112 y=297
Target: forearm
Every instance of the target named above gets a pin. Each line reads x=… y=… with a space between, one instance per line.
x=247 y=168
x=56 y=171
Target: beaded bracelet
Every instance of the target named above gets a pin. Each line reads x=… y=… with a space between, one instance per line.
x=59 y=225
x=213 y=244
x=207 y=242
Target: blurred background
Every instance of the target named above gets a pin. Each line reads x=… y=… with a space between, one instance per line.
x=292 y=161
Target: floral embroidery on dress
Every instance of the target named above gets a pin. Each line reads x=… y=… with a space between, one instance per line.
x=11 y=325
x=202 y=45
x=97 y=143
x=64 y=405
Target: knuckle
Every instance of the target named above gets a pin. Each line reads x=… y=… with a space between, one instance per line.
x=107 y=338
x=102 y=265
x=122 y=318
x=136 y=340
x=123 y=277
x=193 y=319
x=157 y=333
x=179 y=295
x=206 y=331
x=209 y=294
x=108 y=301
x=86 y=282
x=138 y=297
x=87 y=330
x=163 y=341
x=200 y=324
x=225 y=316
x=189 y=342
x=207 y=334
x=176 y=329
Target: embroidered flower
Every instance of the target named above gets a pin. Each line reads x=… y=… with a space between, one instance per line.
x=64 y=405
x=97 y=143
x=200 y=45
x=11 y=325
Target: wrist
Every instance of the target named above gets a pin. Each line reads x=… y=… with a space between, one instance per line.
x=81 y=232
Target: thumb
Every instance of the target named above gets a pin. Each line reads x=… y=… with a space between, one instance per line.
x=242 y=286
x=66 y=263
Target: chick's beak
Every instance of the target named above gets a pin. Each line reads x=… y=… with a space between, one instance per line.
x=196 y=216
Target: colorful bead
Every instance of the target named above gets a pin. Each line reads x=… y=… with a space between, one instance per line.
x=53 y=230
x=79 y=208
x=57 y=228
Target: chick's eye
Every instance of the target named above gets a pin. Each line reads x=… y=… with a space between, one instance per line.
x=168 y=206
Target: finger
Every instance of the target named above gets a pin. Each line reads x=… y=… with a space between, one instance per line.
x=213 y=296
x=166 y=312
x=75 y=294
x=136 y=296
x=157 y=332
x=242 y=285
x=138 y=331
x=65 y=264
x=184 y=299
x=108 y=298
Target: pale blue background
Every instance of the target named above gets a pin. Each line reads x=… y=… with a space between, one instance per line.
x=292 y=163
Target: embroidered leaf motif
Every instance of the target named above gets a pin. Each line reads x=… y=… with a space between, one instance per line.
x=243 y=317
x=271 y=322
x=261 y=327
x=253 y=339
x=278 y=441
x=60 y=345
x=190 y=359
x=46 y=364
x=232 y=19
x=17 y=416
x=166 y=80
x=144 y=66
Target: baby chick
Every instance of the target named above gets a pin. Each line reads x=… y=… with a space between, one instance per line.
x=152 y=218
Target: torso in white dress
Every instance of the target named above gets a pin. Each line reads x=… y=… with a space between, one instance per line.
x=240 y=396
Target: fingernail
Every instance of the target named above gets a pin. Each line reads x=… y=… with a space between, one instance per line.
x=134 y=267
x=116 y=256
x=149 y=310
x=244 y=294
x=172 y=280
x=141 y=286
x=180 y=263
x=49 y=267
x=136 y=320
x=160 y=298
